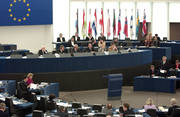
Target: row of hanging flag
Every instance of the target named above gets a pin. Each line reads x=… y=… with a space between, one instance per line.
x=92 y=25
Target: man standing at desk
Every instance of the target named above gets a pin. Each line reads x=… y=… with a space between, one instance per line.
x=60 y=38
x=164 y=67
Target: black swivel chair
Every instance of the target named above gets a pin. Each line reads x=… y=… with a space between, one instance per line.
x=37 y=113
x=43 y=104
x=152 y=112
x=97 y=107
x=51 y=105
x=176 y=112
x=76 y=105
x=82 y=112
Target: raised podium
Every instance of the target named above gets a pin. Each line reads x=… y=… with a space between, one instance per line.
x=115 y=82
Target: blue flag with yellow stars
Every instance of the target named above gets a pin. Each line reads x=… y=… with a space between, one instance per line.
x=25 y=12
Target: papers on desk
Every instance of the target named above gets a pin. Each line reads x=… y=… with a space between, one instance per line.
x=141 y=110
x=163 y=109
x=106 y=52
x=163 y=71
x=57 y=55
x=33 y=86
x=63 y=104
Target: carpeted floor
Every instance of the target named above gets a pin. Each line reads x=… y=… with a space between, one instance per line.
x=135 y=99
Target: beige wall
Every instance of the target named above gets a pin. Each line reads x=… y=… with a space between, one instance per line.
x=28 y=37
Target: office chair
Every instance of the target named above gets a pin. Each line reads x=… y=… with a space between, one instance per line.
x=43 y=104
x=152 y=112
x=82 y=112
x=76 y=105
x=176 y=112
x=37 y=113
x=51 y=105
x=97 y=107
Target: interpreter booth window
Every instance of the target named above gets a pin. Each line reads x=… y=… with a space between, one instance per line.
x=127 y=9
x=160 y=19
x=76 y=16
x=111 y=9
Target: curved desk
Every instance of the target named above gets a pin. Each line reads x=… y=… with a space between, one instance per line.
x=78 y=72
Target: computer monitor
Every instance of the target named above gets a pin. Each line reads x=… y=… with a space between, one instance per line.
x=164 y=38
x=76 y=105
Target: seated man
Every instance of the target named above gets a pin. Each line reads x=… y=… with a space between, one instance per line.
x=51 y=104
x=61 y=50
x=75 y=49
x=76 y=37
x=102 y=37
x=24 y=90
x=2 y=110
x=173 y=107
x=60 y=38
x=125 y=110
x=42 y=51
x=90 y=48
x=113 y=47
x=155 y=42
x=90 y=38
x=153 y=72
x=108 y=109
x=61 y=112
x=164 y=67
x=115 y=41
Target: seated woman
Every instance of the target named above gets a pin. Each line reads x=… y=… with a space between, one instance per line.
x=173 y=107
x=149 y=105
x=30 y=78
x=102 y=45
x=90 y=38
x=113 y=47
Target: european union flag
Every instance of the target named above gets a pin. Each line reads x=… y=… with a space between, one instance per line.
x=25 y=12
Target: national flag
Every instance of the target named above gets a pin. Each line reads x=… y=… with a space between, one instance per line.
x=108 y=25
x=131 y=27
x=84 y=25
x=137 y=24
x=76 y=24
x=119 y=23
x=144 y=28
x=126 y=27
x=89 y=27
x=101 y=21
x=94 y=24
x=114 y=23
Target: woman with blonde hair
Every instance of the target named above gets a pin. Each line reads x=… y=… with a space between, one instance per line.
x=29 y=77
x=149 y=105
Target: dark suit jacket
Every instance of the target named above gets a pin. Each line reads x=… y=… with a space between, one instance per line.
x=88 y=39
x=42 y=53
x=174 y=66
x=3 y=114
x=130 y=111
x=60 y=52
x=61 y=114
x=23 y=87
x=63 y=39
x=164 y=66
x=171 y=109
x=103 y=38
x=78 y=38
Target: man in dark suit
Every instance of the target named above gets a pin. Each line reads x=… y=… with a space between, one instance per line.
x=60 y=38
x=61 y=112
x=90 y=48
x=76 y=37
x=153 y=72
x=24 y=90
x=2 y=110
x=173 y=106
x=90 y=38
x=158 y=38
x=164 y=67
x=42 y=51
x=102 y=37
x=125 y=110
x=177 y=65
